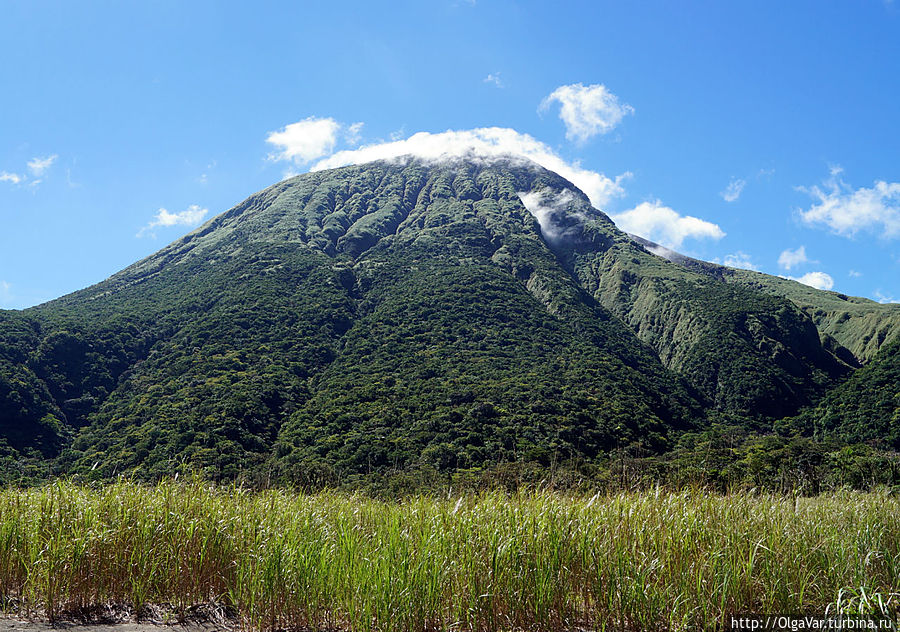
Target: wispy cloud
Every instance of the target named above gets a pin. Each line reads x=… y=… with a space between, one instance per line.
x=554 y=213
x=203 y=178
x=191 y=216
x=664 y=225
x=883 y=298
x=792 y=258
x=818 y=280
x=587 y=111
x=494 y=78
x=5 y=294
x=353 y=133
x=848 y=211
x=485 y=143
x=735 y=188
x=739 y=260
x=733 y=191
x=72 y=183
x=37 y=166
x=854 y=274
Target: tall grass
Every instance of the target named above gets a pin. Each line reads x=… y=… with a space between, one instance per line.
x=649 y=560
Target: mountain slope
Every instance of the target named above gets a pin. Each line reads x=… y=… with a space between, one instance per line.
x=864 y=408
x=855 y=328
x=860 y=325
x=277 y=309
x=396 y=315
x=749 y=352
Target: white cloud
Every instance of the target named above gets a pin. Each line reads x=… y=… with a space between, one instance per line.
x=587 y=110
x=5 y=176
x=484 y=143
x=659 y=223
x=818 y=280
x=791 y=258
x=740 y=260
x=854 y=274
x=38 y=166
x=305 y=140
x=847 y=211
x=192 y=216
x=494 y=78
x=733 y=191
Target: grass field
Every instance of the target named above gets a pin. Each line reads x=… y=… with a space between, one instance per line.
x=648 y=560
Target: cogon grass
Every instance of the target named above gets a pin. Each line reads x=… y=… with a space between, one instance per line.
x=532 y=560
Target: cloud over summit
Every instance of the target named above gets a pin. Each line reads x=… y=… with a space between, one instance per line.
x=652 y=220
x=484 y=142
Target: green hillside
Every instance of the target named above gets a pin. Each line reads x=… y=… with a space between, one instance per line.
x=398 y=316
x=748 y=352
x=864 y=408
x=854 y=328
x=860 y=325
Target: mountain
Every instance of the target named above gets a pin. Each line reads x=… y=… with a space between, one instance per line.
x=451 y=315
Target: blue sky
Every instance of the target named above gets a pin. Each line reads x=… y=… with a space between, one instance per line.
x=741 y=132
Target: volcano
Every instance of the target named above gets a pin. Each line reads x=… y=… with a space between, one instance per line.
x=450 y=314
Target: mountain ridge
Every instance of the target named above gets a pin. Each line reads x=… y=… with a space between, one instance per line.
x=860 y=325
